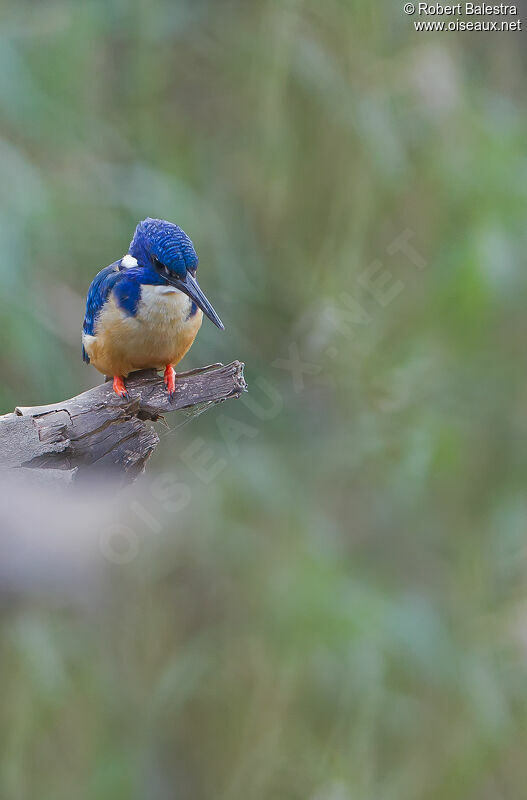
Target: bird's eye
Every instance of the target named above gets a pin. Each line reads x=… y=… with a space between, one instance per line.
x=159 y=267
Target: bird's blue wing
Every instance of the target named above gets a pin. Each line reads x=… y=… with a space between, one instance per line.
x=101 y=286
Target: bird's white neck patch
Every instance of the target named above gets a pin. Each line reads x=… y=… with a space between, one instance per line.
x=128 y=261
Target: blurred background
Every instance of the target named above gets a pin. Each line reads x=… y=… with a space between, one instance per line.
x=334 y=605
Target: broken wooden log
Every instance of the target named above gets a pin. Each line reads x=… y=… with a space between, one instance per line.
x=98 y=431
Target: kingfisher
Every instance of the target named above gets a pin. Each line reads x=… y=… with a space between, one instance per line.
x=144 y=310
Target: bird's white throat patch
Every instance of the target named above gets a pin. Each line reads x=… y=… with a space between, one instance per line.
x=163 y=305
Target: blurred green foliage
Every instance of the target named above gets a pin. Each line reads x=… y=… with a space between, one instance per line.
x=341 y=613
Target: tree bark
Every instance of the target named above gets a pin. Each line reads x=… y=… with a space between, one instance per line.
x=99 y=431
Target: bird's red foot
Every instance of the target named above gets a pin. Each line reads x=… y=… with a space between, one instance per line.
x=170 y=380
x=119 y=387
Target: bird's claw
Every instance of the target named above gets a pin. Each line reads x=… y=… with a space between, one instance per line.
x=170 y=381
x=120 y=388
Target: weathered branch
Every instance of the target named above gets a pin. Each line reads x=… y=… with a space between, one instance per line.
x=97 y=430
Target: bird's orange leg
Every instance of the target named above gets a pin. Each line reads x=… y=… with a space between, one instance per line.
x=170 y=380
x=119 y=386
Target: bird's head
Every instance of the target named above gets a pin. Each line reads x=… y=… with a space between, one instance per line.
x=166 y=248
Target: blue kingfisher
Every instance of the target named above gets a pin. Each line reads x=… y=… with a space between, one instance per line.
x=144 y=310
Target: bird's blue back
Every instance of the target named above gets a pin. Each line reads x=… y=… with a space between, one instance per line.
x=98 y=292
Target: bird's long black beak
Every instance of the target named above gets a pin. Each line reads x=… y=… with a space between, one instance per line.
x=191 y=287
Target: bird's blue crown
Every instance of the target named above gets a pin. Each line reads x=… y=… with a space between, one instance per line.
x=157 y=239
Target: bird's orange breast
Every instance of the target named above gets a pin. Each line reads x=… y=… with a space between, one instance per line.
x=160 y=333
